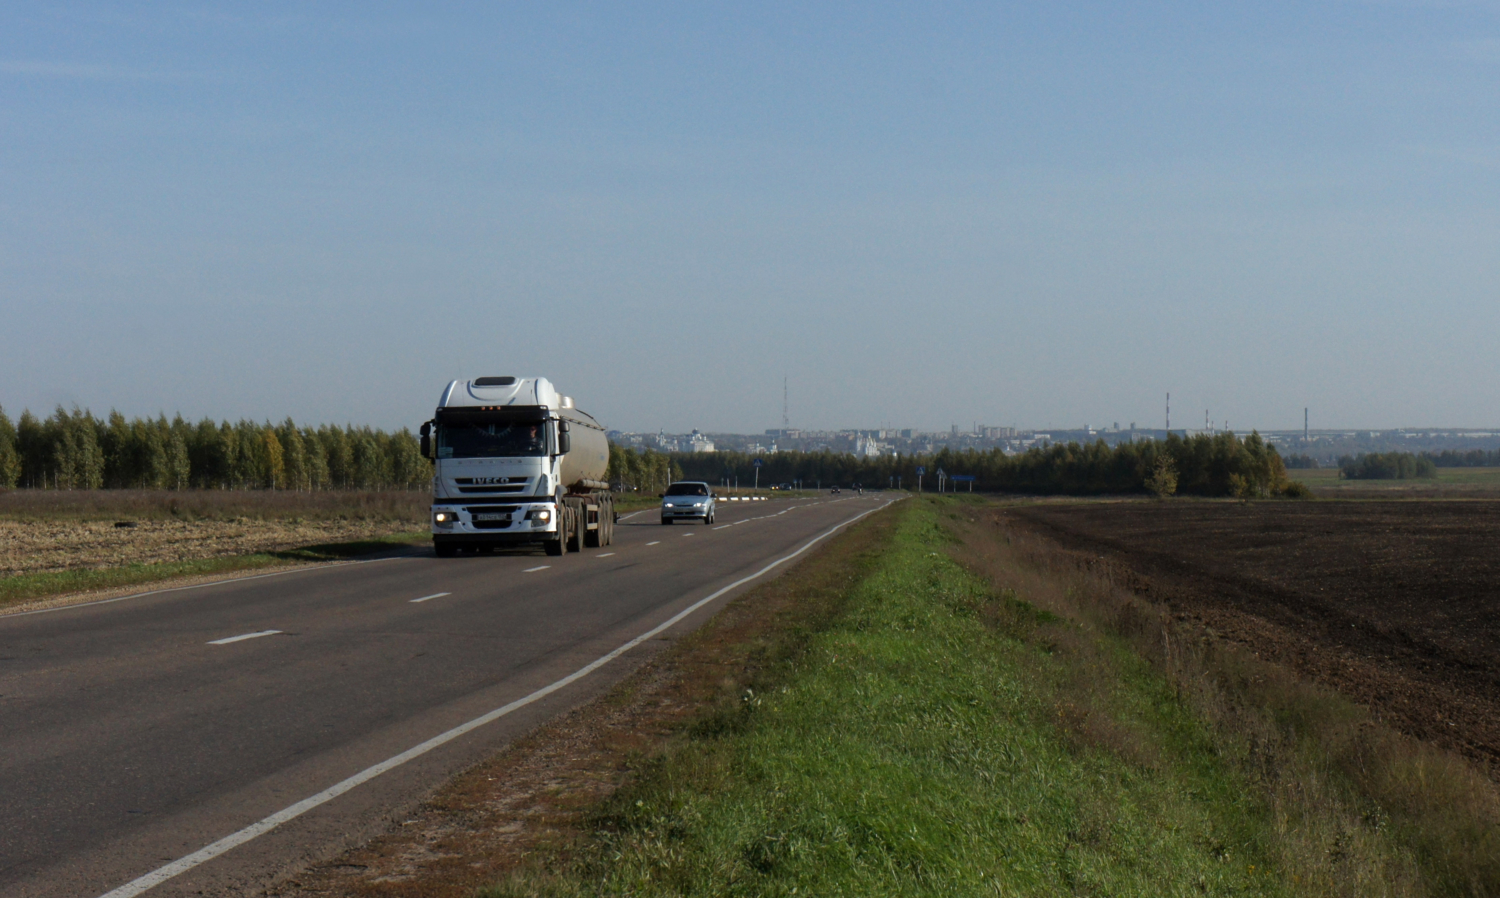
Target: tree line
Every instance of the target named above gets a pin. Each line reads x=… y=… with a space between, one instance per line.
x=75 y=450
x=1472 y=458
x=1386 y=466
x=1199 y=465
x=645 y=470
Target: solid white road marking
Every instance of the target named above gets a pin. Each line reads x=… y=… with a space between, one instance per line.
x=605 y=555
x=436 y=595
x=242 y=637
x=533 y=570
x=208 y=853
x=724 y=527
x=626 y=517
x=655 y=542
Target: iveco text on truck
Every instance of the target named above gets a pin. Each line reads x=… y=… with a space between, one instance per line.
x=516 y=464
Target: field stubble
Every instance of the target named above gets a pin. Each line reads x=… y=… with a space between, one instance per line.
x=1389 y=604
x=60 y=541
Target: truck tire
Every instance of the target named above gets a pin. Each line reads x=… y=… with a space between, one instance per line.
x=554 y=546
x=591 y=538
x=575 y=533
x=445 y=550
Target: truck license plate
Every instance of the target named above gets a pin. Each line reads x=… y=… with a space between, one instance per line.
x=491 y=517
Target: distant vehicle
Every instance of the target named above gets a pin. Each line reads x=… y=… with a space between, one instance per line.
x=514 y=463
x=787 y=486
x=687 y=499
x=835 y=491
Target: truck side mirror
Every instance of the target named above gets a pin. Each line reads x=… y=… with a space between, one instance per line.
x=426 y=432
x=564 y=439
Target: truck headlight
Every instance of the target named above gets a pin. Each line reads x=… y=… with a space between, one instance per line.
x=445 y=518
x=541 y=515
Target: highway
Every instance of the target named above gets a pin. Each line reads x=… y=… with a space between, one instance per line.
x=281 y=712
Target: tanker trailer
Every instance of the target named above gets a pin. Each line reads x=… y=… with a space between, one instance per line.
x=515 y=464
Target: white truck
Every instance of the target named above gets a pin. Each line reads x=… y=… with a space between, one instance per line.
x=514 y=463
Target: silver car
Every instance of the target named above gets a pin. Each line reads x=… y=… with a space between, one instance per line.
x=687 y=499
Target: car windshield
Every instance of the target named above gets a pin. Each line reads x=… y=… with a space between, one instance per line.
x=687 y=489
x=489 y=439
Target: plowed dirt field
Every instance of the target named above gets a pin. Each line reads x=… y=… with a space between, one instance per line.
x=1395 y=604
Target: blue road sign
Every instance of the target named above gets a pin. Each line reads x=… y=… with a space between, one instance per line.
x=962 y=478
x=921 y=470
x=757 y=462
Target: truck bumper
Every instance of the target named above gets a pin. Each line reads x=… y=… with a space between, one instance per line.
x=494 y=522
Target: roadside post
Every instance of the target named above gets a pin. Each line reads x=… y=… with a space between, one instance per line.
x=757 y=464
x=941 y=476
x=921 y=469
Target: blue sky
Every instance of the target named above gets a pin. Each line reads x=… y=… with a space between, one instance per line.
x=1045 y=215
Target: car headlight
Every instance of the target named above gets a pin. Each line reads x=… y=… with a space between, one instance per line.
x=699 y=504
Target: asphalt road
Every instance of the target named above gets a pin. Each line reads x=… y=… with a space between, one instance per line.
x=136 y=733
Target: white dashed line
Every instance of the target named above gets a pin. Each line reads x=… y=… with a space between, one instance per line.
x=533 y=570
x=724 y=527
x=605 y=555
x=436 y=595
x=291 y=812
x=687 y=534
x=655 y=542
x=244 y=636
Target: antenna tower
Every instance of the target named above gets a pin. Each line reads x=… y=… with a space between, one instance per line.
x=786 y=422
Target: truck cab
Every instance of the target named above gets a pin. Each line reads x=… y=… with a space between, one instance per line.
x=515 y=464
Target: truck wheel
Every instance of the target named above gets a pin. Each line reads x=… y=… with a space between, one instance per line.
x=445 y=550
x=592 y=538
x=575 y=535
x=554 y=546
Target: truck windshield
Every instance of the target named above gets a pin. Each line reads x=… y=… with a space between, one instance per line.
x=490 y=439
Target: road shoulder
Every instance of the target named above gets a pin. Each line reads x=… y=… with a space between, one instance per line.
x=537 y=793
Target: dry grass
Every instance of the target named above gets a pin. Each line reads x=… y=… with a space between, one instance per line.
x=1359 y=809
x=409 y=506
x=44 y=547
x=55 y=542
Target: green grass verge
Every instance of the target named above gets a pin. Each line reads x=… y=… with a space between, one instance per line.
x=929 y=742
x=25 y=587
